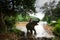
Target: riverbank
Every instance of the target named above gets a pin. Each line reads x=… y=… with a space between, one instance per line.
x=13 y=36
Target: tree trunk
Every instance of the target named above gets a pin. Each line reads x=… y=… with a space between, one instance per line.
x=2 y=23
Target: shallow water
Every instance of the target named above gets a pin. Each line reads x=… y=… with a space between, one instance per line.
x=41 y=32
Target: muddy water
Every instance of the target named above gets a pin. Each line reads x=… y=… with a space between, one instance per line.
x=41 y=32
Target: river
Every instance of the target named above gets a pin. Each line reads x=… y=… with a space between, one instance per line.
x=41 y=32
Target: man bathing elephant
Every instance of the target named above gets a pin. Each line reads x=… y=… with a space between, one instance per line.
x=30 y=26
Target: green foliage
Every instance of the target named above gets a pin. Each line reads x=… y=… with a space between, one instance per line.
x=50 y=10
x=57 y=28
x=34 y=18
x=9 y=9
x=21 y=19
x=16 y=31
x=26 y=18
x=56 y=13
x=56 y=38
x=10 y=22
x=53 y=24
x=47 y=18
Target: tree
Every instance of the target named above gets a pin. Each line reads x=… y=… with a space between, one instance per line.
x=48 y=8
x=56 y=29
x=11 y=7
x=56 y=14
x=56 y=11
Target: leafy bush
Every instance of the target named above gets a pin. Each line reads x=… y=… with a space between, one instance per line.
x=18 y=32
x=55 y=38
x=57 y=28
x=21 y=19
x=53 y=24
x=10 y=22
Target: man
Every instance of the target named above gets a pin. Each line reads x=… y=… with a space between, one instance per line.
x=30 y=20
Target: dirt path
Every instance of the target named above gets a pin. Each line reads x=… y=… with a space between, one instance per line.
x=48 y=29
x=21 y=24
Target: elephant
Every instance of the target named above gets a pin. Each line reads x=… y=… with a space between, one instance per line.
x=30 y=26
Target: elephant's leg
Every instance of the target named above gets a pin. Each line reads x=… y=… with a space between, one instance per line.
x=31 y=31
x=27 y=31
x=35 y=32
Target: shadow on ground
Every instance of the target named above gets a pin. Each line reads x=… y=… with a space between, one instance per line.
x=13 y=36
